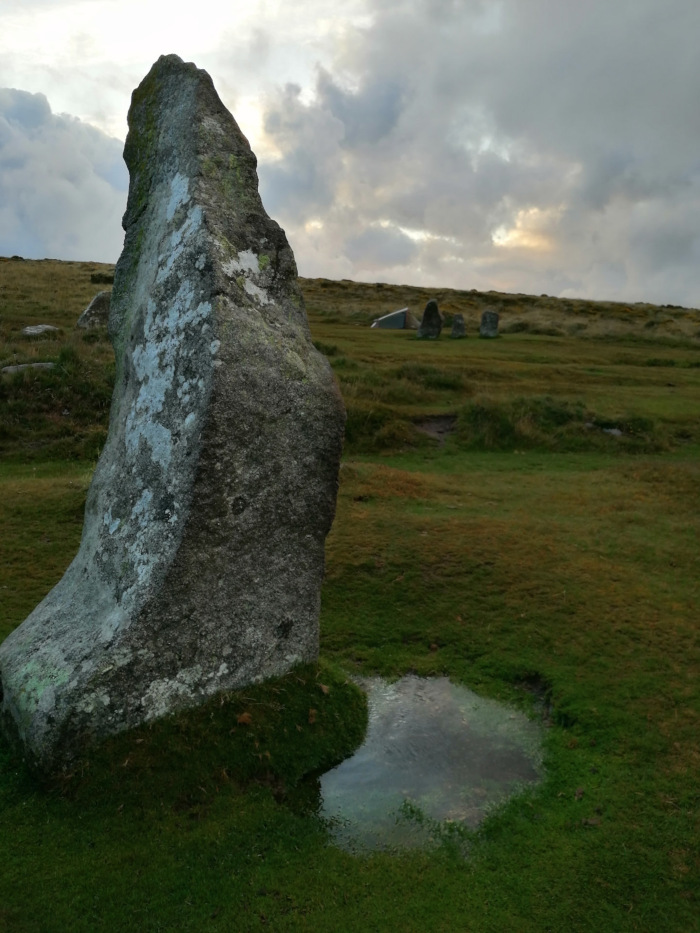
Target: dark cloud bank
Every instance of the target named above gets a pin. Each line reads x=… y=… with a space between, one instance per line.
x=63 y=183
x=525 y=145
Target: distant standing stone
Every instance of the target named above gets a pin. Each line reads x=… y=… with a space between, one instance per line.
x=97 y=312
x=489 y=324
x=431 y=325
x=202 y=555
x=458 y=327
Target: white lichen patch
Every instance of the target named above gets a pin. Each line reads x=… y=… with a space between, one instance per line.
x=111 y=623
x=44 y=672
x=179 y=194
x=110 y=523
x=244 y=262
x=154 y=362
x=211 y=125
x=256 y=292
x=164 y=695
x=178 y=241
x=140 y=513
x=241 y=267
x=143 y=557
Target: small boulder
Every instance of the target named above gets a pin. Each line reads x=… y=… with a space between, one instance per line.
x=97 y=312
x=431 y=325
x=20 y=367
x=458 y=327
x=489 y=323
x=38 y=330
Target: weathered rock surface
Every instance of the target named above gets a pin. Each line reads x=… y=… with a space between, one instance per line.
x=97 y=312
x=489 y=324
x=458 y=327
x=431 y=324
x=202 y=553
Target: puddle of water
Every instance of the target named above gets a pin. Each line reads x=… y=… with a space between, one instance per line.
x=436 y=756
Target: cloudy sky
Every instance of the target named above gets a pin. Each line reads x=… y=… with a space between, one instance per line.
x=544 y=146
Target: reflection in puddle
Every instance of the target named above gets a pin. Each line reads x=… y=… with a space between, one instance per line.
x=435 y=756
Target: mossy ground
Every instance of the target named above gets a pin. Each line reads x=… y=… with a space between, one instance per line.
x=530 y=557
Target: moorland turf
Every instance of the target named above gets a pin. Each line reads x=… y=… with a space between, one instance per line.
x=531 y=554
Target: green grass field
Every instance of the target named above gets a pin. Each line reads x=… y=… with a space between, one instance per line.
x=528 y=553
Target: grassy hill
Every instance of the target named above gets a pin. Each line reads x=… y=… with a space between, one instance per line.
x=564 y=373
x=534 y=314
x=520 y=514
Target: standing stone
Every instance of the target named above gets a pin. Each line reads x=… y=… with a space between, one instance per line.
x=202 y=553
x=458 y=327
x=431 y=325
x=489 y=324
x=97 y=312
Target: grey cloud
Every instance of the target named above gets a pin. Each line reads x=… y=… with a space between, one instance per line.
x=368 y=114
x=26 y=112
x=302 y=183
x=566 y=131
x=63 y=183
x=377 y=248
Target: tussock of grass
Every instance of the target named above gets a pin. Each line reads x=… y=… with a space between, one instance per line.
x=58 y=413
x=328 y=349
x=430 y=377
x=549 y=424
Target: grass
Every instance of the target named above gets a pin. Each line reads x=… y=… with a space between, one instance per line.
x=60 y=413
x=529 y=556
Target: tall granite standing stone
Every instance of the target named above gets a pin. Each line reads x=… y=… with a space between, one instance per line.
x=458 y=327
x=202 y=553
x=489 y=324
x=431 y=324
